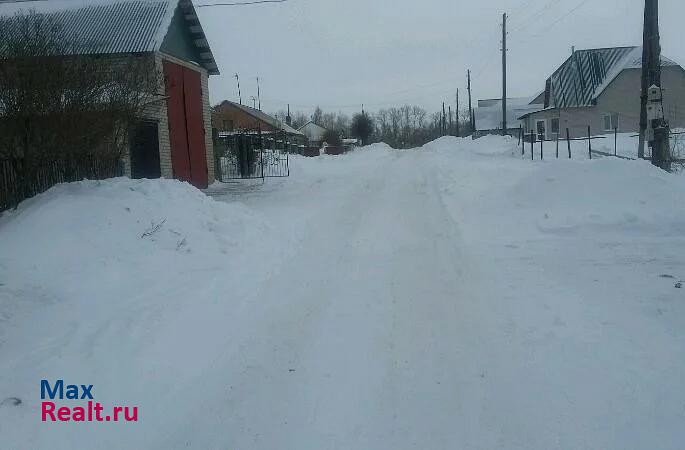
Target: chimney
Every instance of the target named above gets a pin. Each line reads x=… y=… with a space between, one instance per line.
x=288 y=119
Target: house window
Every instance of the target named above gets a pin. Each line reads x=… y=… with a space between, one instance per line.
x=610 y=122
x=555 y=125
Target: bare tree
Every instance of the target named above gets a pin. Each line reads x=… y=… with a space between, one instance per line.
x=59 y=104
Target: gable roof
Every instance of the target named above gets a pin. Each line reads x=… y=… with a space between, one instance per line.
x=311 y=122
x=262 y=116
x=587 y=73
x=118 y=26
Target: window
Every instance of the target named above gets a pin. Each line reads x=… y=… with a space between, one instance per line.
x=555 y=125
x=610 y=122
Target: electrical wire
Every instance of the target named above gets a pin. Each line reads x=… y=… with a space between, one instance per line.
x=254 y=2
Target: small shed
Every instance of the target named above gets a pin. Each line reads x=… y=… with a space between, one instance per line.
x=173 y=139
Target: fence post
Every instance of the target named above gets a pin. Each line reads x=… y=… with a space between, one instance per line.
x=558 y=143
x=568 y=142
x=523 y=141
x=589 y=142
x=542 y=155
x=615 y=141
x=520 y=131
x=532 y=143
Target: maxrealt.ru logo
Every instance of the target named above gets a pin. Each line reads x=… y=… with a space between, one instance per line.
x=92 y=411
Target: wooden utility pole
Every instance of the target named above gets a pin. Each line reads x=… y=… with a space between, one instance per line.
x=449 y=113
x=504 y=74
x=457 y=114
x=240 y=98
x=653 y=125
x=471 y=124
x=443 y=119
x=259 y=98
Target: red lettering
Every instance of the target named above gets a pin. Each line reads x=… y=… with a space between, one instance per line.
x=98 y=410
x=48 y=409
x=117 y=410
x=63 y=414
x=133 y=417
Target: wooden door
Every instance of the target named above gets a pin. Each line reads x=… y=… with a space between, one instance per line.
x=186 y=124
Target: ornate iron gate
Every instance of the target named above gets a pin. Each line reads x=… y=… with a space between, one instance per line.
x=243 y=155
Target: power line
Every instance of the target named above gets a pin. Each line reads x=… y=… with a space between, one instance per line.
x=254 y=2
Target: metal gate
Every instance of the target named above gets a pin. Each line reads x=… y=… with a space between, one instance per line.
x=243 y=155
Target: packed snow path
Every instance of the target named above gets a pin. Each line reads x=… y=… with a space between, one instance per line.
x=448 y=297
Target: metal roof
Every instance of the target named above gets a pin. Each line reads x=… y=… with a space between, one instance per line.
x=260 y=115
x=118 y=26
x=587 y=73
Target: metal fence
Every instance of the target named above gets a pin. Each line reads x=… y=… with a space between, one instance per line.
x=245 y=155
x=561 y=146
x=17 y=184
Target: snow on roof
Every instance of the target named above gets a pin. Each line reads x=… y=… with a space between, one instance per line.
x=490 y=117
x=312 y=123
x=587 y=73
x=117 y=26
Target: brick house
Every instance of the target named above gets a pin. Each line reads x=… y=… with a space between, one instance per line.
x=231 y=117
x=600 y=88
x=173 y=137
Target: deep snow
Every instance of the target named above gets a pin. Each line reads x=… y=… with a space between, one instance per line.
x=453 y=296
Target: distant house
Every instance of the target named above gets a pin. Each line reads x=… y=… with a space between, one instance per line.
x=231 y=117
x=488 y=115
x=173 y=139
x=600 y=88
x=314 y=133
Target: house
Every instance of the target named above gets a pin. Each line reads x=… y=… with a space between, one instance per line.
x=173 y=138
x=600 y=88
x=314 y=133
x=488 y=115
x=230 y=117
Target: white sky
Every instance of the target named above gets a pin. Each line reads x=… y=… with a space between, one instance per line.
x=341 y=53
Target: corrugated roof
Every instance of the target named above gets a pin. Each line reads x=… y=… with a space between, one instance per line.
x=260 y=115
x=117 y=26
x=585 y=75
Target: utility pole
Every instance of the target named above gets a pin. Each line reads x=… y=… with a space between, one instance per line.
x=240 y=98
x=449 y=114
x=471 y=124
x=288 y=119
x=653 y=125
x=443 y=119
x=457 y=113
x=504 y=74
x=259 y=99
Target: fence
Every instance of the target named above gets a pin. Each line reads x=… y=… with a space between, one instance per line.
x=16 y=187
x=245 y=155
x=562 y=146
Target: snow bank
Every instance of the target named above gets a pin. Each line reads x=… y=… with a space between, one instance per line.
x=609 y=195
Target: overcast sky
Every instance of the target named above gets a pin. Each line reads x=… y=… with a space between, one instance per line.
x=341 y=53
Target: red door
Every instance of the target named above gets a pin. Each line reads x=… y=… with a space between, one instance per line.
x=195 y=125
x=186 y=124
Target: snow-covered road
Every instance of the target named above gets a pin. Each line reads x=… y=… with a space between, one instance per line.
x=447 y=297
